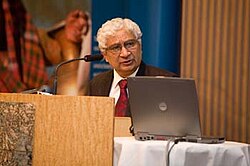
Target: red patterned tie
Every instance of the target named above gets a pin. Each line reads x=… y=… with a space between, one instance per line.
x=121 y=108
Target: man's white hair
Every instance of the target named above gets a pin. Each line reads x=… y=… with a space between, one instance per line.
x=110 y=27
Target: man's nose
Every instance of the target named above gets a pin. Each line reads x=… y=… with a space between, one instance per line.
x=124 y=52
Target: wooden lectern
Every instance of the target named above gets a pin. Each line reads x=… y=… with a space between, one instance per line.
x=70 y=130
x=122 y=127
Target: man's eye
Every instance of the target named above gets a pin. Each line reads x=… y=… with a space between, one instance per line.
x=115 y=47
x=130 y=44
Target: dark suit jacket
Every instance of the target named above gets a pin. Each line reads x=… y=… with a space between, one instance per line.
x=100 y=85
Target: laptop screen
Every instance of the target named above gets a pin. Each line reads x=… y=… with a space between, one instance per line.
x=164 y=106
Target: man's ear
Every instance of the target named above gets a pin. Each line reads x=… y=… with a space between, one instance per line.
x=105 y=56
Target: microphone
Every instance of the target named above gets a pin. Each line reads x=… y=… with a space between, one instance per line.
x=86 y=58
x=97 y=57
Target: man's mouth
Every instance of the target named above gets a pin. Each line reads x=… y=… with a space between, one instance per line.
x=127 y=62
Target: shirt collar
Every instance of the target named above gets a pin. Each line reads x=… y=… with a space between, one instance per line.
x=118 y=78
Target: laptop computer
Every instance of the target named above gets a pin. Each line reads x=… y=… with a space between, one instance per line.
x=166 y=107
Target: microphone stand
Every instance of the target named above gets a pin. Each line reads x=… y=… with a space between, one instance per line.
x=86 y=58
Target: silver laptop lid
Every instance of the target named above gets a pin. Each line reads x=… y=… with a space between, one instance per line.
x=164 y=106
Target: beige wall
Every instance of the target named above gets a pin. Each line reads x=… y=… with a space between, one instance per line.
x=215 y=50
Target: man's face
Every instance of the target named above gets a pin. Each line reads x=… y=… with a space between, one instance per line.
x=123 y=53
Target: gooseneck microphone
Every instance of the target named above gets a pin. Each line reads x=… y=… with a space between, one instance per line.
x=89 y=58
x=86 y=58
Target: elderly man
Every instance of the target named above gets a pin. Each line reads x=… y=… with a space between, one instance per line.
x=120 y=43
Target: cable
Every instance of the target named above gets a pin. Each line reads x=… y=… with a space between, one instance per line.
x=176 y=141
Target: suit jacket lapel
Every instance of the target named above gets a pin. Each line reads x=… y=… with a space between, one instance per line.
x=141 y=71
x=107 y=83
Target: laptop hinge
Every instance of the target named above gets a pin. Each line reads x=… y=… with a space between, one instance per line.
x=191 y=138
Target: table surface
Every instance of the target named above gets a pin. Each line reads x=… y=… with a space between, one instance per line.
x=130 y=152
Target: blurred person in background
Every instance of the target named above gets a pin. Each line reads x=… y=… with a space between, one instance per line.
x=25 y=51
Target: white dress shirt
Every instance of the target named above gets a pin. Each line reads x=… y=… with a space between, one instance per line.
x=115 y=89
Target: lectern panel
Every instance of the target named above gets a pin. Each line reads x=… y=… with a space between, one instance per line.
x=70 y=130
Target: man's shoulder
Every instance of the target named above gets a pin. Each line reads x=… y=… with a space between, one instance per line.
x=102 y=76
x=100 y=84
x=156 y=71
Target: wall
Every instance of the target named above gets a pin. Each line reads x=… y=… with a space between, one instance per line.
x=215 y=50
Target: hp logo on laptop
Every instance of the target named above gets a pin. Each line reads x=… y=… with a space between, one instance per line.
x=163 y=106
